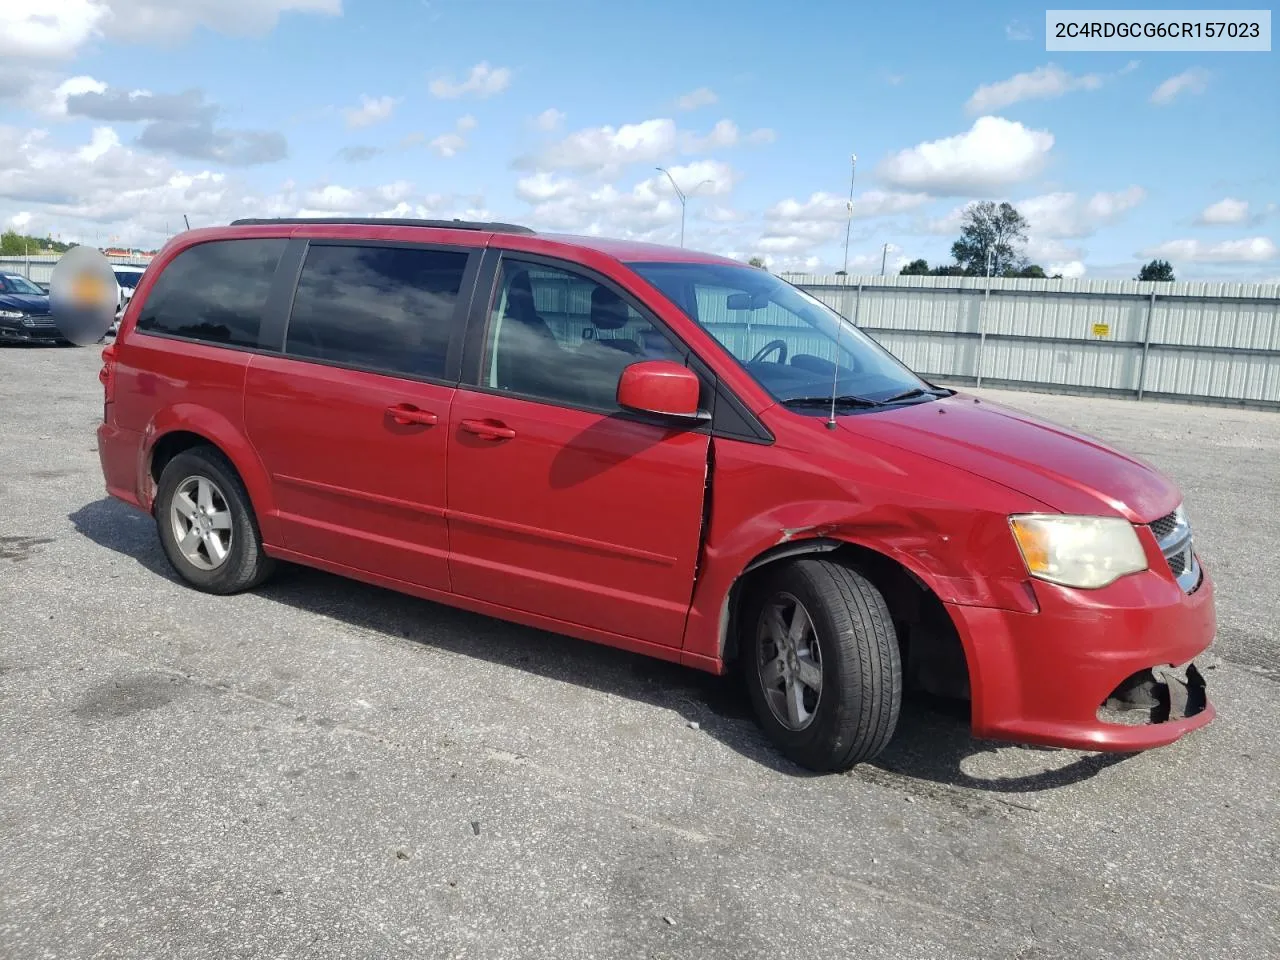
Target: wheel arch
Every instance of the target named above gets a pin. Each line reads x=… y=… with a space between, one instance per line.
x=181 y=428
x=935 y=651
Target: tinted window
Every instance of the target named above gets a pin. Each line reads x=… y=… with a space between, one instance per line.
x=214 y=291
x=11 y=283
x=385 y=308
x=559 y=336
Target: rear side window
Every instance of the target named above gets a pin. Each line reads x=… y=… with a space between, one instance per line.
x=214 y=291
x=391 y=309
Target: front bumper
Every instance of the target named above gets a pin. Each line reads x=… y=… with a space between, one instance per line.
x=1046 y=678
x=14 y=331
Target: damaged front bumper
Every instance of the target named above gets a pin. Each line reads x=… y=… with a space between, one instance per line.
x=1092 y=670
x=1157 y=695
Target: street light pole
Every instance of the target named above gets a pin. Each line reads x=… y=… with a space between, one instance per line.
x=884 y=255
x=684 y=198
x=848 y=227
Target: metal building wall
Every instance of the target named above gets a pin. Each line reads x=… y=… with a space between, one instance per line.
x=1201 y=341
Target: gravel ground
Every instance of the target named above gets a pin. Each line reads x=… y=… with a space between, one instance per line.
x=325 y=769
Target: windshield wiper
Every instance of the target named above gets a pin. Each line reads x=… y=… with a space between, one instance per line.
x=841 y=401
x=910 y=394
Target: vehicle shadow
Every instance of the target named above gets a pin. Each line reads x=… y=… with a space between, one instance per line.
x=932 y=742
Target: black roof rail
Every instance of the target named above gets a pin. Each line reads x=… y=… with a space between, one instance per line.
x=387 y=222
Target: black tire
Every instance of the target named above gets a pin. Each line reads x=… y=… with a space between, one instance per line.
x=856 y=713
x=246 y=564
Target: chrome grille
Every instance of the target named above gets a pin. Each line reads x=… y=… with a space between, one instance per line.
x=44 y=320
x=1173 y=534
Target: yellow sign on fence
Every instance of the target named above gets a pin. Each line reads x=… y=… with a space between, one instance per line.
x=1102 y=329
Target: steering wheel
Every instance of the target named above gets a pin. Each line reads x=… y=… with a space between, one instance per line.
x=779 y=345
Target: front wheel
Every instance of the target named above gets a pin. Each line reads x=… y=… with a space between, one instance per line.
x=821 y=663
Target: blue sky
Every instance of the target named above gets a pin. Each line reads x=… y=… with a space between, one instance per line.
x=119 y=116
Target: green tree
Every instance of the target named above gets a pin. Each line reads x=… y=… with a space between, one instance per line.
x=1159 y=270
x=995 y=229
x=916 y=268
x=13 y=244
x=1030 y=271
x=756 y=262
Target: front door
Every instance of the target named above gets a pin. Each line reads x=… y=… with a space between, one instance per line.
x=352 y=422
x=560 y=504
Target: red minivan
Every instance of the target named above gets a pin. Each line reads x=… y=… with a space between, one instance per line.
x=665 y=451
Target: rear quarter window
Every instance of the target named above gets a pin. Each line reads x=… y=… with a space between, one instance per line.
x=214 y=292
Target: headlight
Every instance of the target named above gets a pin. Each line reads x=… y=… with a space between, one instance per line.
x=11 y=314
x=1085 y=552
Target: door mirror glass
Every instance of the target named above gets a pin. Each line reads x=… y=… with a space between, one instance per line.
x=660 y=387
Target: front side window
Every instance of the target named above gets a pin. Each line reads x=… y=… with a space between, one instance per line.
x=558 y=336
x=391 y=309
x=795 y=346
x=214 y=291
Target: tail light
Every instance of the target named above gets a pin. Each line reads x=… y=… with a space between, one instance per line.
x=107 y=377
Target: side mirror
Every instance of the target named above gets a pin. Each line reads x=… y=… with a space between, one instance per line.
x=660 y=387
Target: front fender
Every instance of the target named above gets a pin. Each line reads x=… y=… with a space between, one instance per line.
x=221 y=432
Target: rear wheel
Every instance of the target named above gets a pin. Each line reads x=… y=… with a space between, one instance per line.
x=821 y=663
x=206 y=524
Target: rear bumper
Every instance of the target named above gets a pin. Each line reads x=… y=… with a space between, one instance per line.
x=119 y=452
x=1043 y=678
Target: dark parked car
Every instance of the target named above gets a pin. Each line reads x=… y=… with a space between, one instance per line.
x=24 y=312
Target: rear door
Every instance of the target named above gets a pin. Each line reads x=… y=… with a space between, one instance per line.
x=351 y=421
x=561 y=504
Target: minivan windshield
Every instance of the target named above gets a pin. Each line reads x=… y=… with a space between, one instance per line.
x=795 y=346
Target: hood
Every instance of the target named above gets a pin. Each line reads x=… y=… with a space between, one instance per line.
x=26 y=302
x=1066 y=470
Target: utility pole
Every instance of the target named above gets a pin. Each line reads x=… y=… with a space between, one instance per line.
x=848 y=228
x=884 y=255
x=684 y=198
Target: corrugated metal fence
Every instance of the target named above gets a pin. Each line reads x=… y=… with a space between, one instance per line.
x=1200 y=342
x=40 y=269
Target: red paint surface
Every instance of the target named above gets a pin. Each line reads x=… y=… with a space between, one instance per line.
x=594 y=525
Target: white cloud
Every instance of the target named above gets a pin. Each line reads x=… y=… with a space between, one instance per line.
x=1042 y=83
x=370 y=111
x=1046 y=250
x=1066 y=215
x=102 y=188
x=1071 y=270
x=794 y=227
x=723 y=134
x=58 y=29
x=467 y=122
x=482 y=81
x=761 y=136
x=71 y=87
x=39 y=29
x=992 y=155
x=648 y=210
x=20 y=220
x=1225 y=211
x=1189 y=81
x=549 y=120
x=170 y=21
x=702 y=97
x=1017 y=31
x=447 y=144
x=1250 y=250
x=597 y=148
x=829 y=206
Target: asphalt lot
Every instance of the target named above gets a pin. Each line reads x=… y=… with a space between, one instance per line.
x=325 y=769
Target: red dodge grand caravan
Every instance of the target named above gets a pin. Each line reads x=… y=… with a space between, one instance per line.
x=661 y=450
